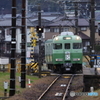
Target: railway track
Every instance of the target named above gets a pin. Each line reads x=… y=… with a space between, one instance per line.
x=58 y=89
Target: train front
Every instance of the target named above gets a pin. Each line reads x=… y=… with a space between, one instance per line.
x=67 y=53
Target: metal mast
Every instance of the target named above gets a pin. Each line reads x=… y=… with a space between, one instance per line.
x=92 y=31
x=39 y=34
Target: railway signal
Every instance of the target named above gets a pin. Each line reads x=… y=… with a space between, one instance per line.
x=39 y=30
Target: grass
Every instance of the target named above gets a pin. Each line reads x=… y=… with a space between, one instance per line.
x=6 y=77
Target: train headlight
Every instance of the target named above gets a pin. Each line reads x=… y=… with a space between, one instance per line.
x=56 y=38
x=59 y=59
x=76 y=59
x=78 y=38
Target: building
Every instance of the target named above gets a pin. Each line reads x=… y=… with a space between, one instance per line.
x=53 y=24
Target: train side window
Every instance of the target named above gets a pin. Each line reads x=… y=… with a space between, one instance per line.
x=57 y=46
x=77 y=46
x=67 y=45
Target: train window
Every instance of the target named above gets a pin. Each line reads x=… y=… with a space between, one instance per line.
x=67 y=45
x=77 y=46
x=57 y=46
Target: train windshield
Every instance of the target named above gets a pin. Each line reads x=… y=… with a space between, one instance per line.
x=67 y=45
x=77 y=46
x=57 y=46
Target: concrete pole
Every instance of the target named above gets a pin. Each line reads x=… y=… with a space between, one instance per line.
x=13 y=50
x=23 y=46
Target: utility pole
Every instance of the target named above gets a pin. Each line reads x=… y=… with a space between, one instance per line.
x=13 y=50
x=92 y=32
x=76 y=14
x=23 y=46
x=76 y=18
x=60 y=29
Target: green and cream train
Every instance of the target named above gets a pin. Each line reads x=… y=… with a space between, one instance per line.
x=64 y=53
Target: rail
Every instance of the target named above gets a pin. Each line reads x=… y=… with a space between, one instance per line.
x=65 y=92
x=48 y=88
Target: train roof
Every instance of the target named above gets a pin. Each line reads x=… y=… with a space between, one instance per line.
x=49 y=40
x=66 y=38
x=66 y=33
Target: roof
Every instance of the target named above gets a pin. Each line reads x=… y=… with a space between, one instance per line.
x=70 y=22
x=50 y=35
x=83 y=36
x=52 y=20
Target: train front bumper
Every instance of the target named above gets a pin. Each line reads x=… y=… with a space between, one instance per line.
x=67 y=66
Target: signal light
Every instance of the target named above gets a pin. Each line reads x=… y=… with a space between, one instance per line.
x=39 y=29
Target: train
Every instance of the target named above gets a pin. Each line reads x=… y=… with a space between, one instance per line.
x=64 y=53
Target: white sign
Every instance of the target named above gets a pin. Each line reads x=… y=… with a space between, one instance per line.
x=96 y=66
x=5 y=85
x=97 y=63
x=4 y=61
x=67 y=55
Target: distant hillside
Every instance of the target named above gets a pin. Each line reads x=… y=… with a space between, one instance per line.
x=46 y=5
x=5 y=6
